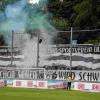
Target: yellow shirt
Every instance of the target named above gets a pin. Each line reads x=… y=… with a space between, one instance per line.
x=68 y=79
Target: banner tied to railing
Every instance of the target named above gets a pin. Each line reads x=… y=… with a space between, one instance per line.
x=42 y=74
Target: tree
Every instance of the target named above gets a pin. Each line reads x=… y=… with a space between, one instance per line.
x=86 y=14
x=81 y=14
x=2 y=42
x=60 y=23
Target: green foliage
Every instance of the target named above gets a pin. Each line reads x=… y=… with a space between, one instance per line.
x=2 y=42
x=81 y=14
x=60 y=23
x=93 y=41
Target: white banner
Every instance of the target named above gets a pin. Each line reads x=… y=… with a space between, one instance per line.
x=92 y=87
x=29 y=84
x=42 y=74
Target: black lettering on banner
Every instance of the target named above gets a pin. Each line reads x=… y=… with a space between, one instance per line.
x=54 y=76
x=9 y=74
x=33 y=75
x=16 y=74
x=80 y=75
x=96 y=76
x=73 y=75
x=89 y=76
x=48 y=74
x=84 y=74
x=1 y=74
x=60 y=74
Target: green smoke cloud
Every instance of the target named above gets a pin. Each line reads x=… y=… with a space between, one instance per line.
x=24 y=16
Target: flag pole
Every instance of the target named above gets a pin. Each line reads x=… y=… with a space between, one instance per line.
x=37 y=50
x=71 y=48
x=12 y=48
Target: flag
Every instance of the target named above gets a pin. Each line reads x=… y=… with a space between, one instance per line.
x=40 y=40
